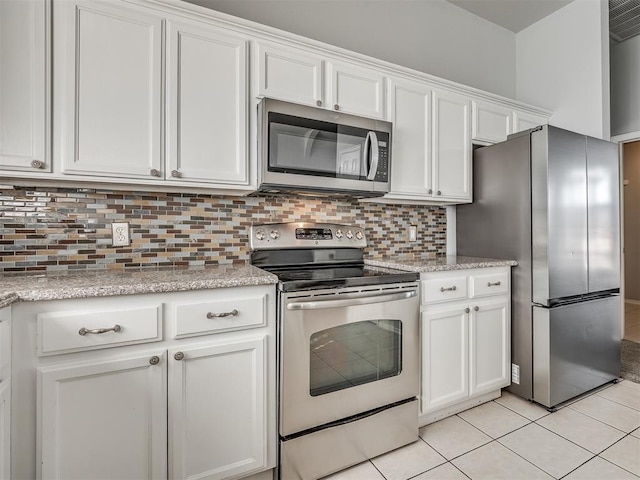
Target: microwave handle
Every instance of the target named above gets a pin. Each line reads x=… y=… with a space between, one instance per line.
x=371 y=144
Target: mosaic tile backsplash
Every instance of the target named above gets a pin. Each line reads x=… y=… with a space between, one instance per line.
x=63 y=229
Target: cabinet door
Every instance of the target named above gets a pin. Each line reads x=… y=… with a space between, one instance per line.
x=103 y=419
x=5 y=429
x=5 y=392
x=217 y=402
x=207 y=105
x=356 y=90
x=289 y=75
x=524 y=121
x=445 y=361
x=490 y=123
x=451 y=146
x=24 y=86
x=107 y=89
x=489 y=346
x=410 y=109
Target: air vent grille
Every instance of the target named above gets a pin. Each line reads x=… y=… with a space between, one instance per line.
x=624 y=19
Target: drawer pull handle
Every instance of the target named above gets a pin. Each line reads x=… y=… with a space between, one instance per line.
x=155 y=360
x=466 y=310
x=476 y=308
x=116 y=328
x=495 y=284
x=179 y=356
x=232 y=313
x=450 y=289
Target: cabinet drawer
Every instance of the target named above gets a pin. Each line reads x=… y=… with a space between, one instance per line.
x=444 y=289
x=70 y=331
x=218 y=316
x=489 y=284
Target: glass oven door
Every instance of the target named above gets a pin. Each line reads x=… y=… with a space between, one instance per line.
x=345 y=354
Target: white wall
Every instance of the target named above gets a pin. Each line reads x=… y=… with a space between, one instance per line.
x=562 y=64
x=434 y=36
x=625 y=87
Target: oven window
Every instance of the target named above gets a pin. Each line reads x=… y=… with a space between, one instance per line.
x=354 y=354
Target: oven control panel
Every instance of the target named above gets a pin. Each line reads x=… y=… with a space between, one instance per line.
x=305 y=235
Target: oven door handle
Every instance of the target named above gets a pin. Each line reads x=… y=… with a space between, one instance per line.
x=350 y=302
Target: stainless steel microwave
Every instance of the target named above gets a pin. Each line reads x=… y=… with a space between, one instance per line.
x=314 y=150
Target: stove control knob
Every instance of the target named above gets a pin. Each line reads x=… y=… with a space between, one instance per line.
x=359 y=235
x=339 y=234
x=349 y=234
x=261 y=234
x=274 y=234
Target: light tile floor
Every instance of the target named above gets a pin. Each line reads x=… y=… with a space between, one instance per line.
x=596 y=437
x=632 y=322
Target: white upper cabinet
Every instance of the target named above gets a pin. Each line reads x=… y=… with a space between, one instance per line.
x=356 y=90
x=107 y=89
x=490 y=123
x=206 y=105
x=24 y=86
x=524 y=121
x=451 y=146
x=302 y=77
x=410 y=110
x=431 y=144
x=287 y=74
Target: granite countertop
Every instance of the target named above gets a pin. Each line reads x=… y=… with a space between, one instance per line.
x=101 y=283
x=440 y=264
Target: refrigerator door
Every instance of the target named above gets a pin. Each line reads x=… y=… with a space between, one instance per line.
x=576 y=348
x=604 y=214
x=559 y=214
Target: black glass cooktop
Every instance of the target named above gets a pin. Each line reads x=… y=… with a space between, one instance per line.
x=294 y=279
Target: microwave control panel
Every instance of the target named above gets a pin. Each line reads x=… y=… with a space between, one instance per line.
x=382 y=175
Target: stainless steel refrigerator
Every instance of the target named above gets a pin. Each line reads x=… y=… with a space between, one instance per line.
x=550 y=199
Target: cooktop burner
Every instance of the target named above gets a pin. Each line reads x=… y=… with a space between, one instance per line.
x=309 y=256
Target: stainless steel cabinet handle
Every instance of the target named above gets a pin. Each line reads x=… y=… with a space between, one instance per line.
x=319 y=103
x=466 y=310
x=154 y=360
x=178 y=356
x=116 y=328
x=232 y=313
x=37 y=164
x=476 y=308
x=450 y=289
x=336 y=107
x=175 y=174
x=495 y=284
x=154 y=172
x=360 y=300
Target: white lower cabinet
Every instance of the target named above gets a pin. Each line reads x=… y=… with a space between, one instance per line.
x=104 y=418
x=217 y=404
x=5 y=393
x=466 y=339
x=201 y=407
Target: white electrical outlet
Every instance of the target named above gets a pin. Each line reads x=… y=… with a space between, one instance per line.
x=120 y=235
x=515 y=373
x=413 y=233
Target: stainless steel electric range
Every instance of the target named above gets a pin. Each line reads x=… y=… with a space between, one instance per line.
x=348 y=348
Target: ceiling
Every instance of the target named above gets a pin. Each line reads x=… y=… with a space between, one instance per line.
x=516 y=15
